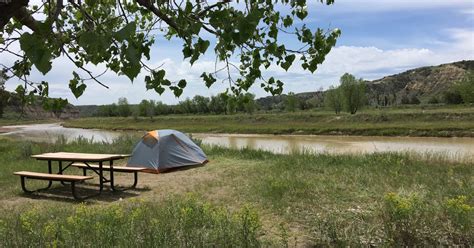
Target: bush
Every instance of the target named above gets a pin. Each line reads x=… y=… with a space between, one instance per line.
x=401 y=215
x=452 y=96
x=433 y=100
x=460 y=213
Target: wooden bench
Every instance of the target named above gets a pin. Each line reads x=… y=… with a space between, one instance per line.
x=51 y=177
x=123 y=169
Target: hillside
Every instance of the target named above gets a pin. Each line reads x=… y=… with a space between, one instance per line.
x=422 y=83
x=13 y=109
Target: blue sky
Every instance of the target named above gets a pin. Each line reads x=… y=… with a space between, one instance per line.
x=379 y=38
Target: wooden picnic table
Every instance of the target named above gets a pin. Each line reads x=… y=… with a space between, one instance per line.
x=87 y=159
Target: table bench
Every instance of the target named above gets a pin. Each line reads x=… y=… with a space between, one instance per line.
x=123 y=169
x=51 y=177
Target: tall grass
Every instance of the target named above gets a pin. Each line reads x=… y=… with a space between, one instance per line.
x=351 y=200
x=178 y=222
x=300 y=199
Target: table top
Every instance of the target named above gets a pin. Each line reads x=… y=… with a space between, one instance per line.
x=79 y=157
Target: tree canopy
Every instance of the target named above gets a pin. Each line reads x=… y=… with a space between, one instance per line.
x=119 y=34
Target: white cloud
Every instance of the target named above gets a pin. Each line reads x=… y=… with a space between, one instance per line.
x=394 y=5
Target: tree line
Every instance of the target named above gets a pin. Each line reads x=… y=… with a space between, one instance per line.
x=350 y=96
x=219 y=104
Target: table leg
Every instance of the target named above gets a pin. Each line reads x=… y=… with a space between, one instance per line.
x=112 y=175
x=101 y=176
x=61 y=171
x=50 y=171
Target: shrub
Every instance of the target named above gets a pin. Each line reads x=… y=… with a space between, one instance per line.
x=460 y=213
x=433 y=100
x=400 y=217
x=452 y=96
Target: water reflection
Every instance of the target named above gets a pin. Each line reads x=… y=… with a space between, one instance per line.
x=453 y=147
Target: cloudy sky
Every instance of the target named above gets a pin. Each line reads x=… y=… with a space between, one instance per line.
x=379 y=38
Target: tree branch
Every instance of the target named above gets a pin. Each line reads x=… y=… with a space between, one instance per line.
x=149 y=5
x=9 y=10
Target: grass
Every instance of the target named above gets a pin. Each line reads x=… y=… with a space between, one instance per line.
x=455 y=121
x=250 y=198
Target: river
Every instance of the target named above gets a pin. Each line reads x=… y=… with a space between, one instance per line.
x=453 y=148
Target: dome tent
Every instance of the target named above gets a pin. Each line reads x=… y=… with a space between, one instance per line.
x=161 y=150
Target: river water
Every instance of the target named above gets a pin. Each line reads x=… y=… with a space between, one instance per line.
x=452 y=148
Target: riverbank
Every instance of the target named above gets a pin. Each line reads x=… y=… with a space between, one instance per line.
x=456 y=121
x=247 y=198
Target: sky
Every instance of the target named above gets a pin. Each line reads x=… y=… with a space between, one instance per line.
x=379 y=38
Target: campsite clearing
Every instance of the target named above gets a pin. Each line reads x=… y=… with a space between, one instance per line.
x=298 y=199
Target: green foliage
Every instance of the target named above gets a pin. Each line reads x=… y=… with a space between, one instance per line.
x=460 y=213
x=291 y=102
x=147 y=108
x=465 y=87
x=121 y=36
x=433 y=100
x=4 y=95
x=333 y=99
x=123 y=107
x=353 y=91
x=177 y=222
x=452 y=96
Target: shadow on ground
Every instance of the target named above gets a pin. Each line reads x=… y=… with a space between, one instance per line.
x=64 y=194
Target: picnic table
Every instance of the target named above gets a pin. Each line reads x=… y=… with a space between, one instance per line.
x=90 y=161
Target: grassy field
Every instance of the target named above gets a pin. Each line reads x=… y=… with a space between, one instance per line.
x=414 y=121
x=246 y=199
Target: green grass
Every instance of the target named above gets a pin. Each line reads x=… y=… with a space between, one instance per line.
x=415 y=121
x=252 y=198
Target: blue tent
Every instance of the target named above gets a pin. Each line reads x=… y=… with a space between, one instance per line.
x=162 y=150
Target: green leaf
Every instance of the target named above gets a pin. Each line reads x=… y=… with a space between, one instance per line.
x=76 y=85
x=208 y=79
x=182 y=83
x=288 y=21
x=160 y=90
x=187 y=52
x=126 y=33
x=203 y=45
x=36 y=52
x=131 y=70
x=176 y=91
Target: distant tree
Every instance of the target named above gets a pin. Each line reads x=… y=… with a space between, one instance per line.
x=291 y=102
x=405 y=99
x=231 y=104
x=465 y=87
x=452 y=96
x=333 y=99
x=433 y=100
x=201 y=104
x=186 y=107
x=353 y=91
x=218 y=104
x=247 y=103
x=147 y=108
x=414 y=100
x=162 y=109
x=3 y=94
x=108 y=110
x=123 y=107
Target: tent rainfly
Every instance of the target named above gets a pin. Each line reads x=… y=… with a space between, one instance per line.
x=161 y=150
